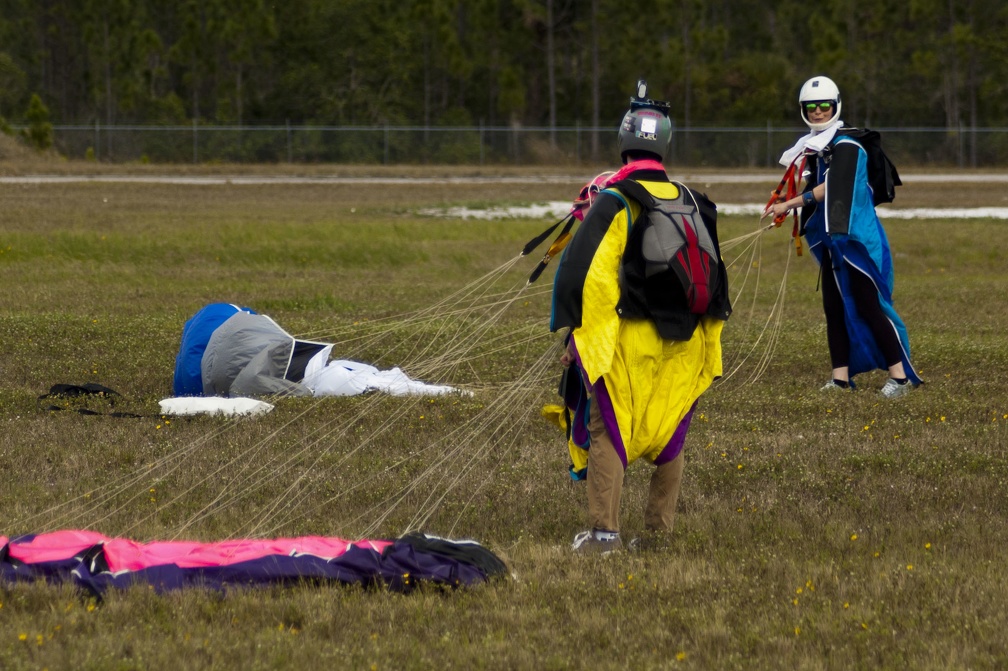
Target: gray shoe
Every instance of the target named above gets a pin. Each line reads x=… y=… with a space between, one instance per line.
x=893 y=389
x=833 y=386
x=589 y=543
x=650 y=541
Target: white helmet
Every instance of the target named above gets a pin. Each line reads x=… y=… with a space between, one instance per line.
x=819 y=89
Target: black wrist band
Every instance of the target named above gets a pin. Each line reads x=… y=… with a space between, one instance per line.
x=807 y=198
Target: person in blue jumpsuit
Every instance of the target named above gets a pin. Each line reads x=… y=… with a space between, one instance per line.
x=844 y=233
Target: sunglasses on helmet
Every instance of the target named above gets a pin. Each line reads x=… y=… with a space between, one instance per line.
x=824 y=106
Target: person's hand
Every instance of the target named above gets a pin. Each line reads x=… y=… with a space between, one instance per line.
x=567 y=358
x=773 y=208
x=778 y=209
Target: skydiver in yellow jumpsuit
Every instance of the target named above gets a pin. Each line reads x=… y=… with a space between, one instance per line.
x=638 y=356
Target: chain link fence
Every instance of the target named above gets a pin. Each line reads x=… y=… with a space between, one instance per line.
x=492 y=145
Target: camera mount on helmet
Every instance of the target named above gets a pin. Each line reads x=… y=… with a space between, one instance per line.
x=641 y=100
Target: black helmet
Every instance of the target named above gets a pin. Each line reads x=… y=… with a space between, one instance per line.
x=646 y=126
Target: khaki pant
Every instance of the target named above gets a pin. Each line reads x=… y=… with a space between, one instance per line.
x=605 y=483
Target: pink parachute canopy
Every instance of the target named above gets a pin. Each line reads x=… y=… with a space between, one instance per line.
x=96 y=562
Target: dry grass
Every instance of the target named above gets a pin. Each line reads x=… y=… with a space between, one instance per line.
x=813 y=532
x=14 y=152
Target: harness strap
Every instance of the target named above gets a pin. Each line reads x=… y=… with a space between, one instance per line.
x=789 y=185
x=558 y=246
x=63 y=392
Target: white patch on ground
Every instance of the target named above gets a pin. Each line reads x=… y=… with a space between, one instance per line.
x=552 y=210
x=884 y=212
x=943 y=213
x=256 y=180
x=704 y=179
x=557 y=209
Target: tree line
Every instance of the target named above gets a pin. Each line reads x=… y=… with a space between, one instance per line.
x=544 y=63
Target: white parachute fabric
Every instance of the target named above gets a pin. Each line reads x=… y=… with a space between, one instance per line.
x=342 y=377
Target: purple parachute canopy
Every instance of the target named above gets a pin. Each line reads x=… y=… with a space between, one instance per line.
x=96 y=562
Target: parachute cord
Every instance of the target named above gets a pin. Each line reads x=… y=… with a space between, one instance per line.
x=445 y=473
x=503 y=436
x=453 y=346
x=465 y=436
x=771 y=329
x=753 y=264
x=453 y=355
x=82 y=507
x=453 y=334
x=118 y=496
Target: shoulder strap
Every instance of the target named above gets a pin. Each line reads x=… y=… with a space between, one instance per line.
x=639 y=192
x=626 y=205
x=636 y=191
x=686 y=191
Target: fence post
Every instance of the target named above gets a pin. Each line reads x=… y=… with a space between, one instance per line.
x=962 y=139
x=386 y=144
x=481 y=141
x=195 y=143
x=577 y=139
x=290 y=149
x=769 y=142
x=97 y=139
x=973 y=145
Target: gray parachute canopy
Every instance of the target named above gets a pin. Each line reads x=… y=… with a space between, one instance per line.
x=250 y=355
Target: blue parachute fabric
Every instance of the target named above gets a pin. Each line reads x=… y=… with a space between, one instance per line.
x=195 y=336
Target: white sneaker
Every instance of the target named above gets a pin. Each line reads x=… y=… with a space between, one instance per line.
x=893 y=389
x=590 y=543
x=833 y=386
x=650 y=541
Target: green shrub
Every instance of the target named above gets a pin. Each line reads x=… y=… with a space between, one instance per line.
x=39 y=133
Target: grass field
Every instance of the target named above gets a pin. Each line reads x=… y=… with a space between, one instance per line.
x=839 y=531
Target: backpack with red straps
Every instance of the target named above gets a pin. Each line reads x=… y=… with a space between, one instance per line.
x=670 y=249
